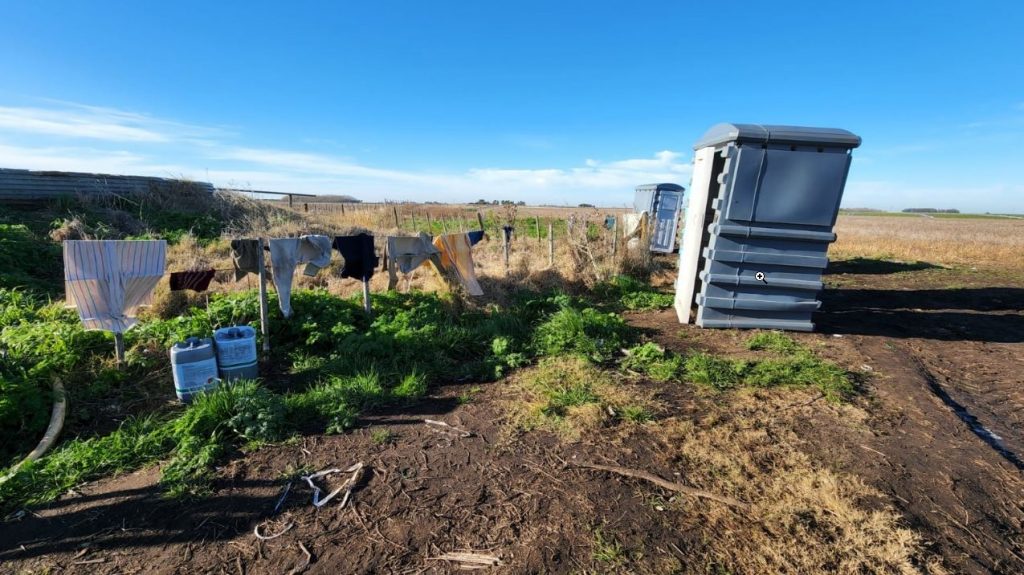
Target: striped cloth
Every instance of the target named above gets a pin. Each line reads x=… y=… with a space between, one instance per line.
x=108 y=280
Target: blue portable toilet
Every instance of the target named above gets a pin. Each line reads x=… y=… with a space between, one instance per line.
x=763 y=202
x=663 y=204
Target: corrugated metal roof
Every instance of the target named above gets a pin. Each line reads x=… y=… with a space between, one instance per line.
x=29 y=185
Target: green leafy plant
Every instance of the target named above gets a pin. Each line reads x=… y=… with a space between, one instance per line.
x=654 y=362
x=587 y=332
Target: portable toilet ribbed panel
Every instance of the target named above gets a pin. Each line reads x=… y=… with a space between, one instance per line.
x=775 y=193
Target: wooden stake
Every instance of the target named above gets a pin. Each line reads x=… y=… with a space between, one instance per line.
x=264 y=314
x=551 y=244
x=395 y=209
x=538 y=230
x=430 y=224
x=480 y=219
x=343 y=209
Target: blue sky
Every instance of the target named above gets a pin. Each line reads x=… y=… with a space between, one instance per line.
x=547 y=102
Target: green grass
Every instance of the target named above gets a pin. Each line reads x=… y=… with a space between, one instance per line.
x=773 y=341
x=624 y=292
x=586 y=332
x=651 y=360
x=382 y=436
x=636 y=414
x=349 y=364
x=607 y=549
x=789 y=365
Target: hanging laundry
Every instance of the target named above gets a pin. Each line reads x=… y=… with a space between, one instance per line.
x=245 y=256
x=194 y=280
x=405 y=253
x=475 y=237
x=633 y=226
x=359 y=256
x=456 y=260
x=108 y=280
x=286 y=253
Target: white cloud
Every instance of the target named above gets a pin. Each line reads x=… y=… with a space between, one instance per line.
x=69 y=120
x=175 y=149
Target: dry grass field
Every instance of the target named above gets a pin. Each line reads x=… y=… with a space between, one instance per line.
x=990 y=242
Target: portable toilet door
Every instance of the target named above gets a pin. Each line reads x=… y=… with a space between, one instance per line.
x=665 y=201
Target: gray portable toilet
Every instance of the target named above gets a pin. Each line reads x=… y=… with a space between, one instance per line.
x=662 y=202
x=762 y=206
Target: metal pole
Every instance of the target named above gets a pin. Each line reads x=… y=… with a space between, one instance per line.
x=615 y=236
x=119 y=349
x=264 y=314
x=366 y=297
x=551 y=244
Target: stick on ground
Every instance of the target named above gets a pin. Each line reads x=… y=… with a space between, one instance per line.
x=664 y=483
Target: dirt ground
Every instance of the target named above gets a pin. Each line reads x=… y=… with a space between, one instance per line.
x=938 y=432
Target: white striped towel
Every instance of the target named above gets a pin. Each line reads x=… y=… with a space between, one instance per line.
x=108 y=280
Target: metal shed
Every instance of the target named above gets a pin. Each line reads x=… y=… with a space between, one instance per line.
x=763 y=203
x=663 y=203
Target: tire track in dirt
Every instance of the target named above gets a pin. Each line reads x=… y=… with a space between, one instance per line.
x=949 y=481
x=985 y=434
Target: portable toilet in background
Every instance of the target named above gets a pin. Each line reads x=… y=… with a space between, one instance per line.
x=662 y=202
x=763 y=202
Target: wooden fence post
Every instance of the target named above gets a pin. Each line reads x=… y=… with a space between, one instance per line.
x=538 y=230
x=504 y=243
x=430 y=224
x=395 y=209
x=480 y=219
x=551 y=244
